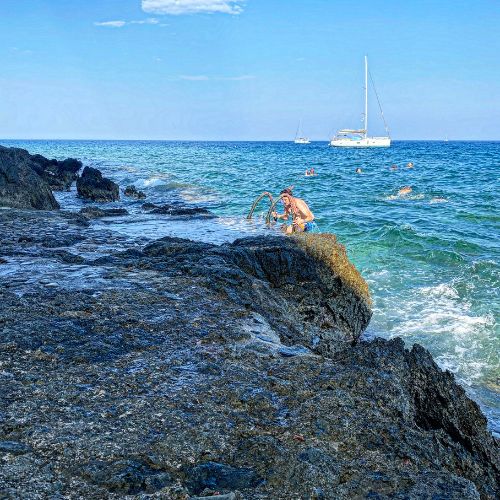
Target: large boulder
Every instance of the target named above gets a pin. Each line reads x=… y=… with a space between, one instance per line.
x=93 y=186
x=58 y=174
x=20 y=185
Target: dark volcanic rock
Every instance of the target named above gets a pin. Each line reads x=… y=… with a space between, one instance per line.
x=58 y=174
x=14 y=447
x=93 y=186
x=175 y=210
x=328 y=311
x=299 y=296
x=149 y=206
x=65 y=256
x=132 y=192
x=96 y=212
x=127 y=477
x=20 y=185
x=220 y=476
x=188 y=369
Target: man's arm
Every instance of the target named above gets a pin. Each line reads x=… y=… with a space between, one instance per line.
x=276 y=215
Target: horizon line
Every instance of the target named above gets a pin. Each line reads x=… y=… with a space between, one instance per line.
x=228 y=140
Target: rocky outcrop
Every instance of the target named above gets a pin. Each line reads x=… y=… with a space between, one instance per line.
x=182 y=370
x=93 y=186
x=59 y=175
x=98 y=213
x=132 y=192
x=176 y=211
x=300 y=296
x=20 y=185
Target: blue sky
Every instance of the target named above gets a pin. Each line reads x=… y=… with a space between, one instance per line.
x=247 y=70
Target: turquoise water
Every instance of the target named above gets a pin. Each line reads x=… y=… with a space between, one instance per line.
x=430 y=257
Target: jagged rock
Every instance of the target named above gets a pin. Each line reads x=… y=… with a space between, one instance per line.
x=14 y=447
x=132 y=192
x=220 y=476
x=174 y=210
x=66 y=257
x=327 y=309
x=20 y=185
x=96 y=212
x=93 y=186
x=268 y=274
x=127 y=477
x=58 y=174
x=187 y=369
x=229 y=496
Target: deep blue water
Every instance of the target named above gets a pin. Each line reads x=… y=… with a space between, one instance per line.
x=430 y=257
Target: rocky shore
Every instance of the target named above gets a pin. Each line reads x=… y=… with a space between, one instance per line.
x=180 y=369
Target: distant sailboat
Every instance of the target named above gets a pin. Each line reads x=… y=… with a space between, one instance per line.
x=299 y=137
x=350 y=138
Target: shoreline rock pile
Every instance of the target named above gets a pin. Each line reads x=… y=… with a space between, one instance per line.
x=93 y=186
x=20 y=184
x=59 y=175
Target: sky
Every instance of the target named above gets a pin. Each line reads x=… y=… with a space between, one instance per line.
x=247 y=69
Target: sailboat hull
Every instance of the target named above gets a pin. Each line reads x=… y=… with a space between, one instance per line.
x=361 y=142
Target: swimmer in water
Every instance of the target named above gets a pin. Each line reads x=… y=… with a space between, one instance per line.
x=307 y=174
x=358 y=171
x=409 y=165
x=301 y=214
x=312 y=172
x=394 y=167
x=404 y=191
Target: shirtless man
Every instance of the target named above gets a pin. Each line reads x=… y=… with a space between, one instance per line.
x=301 y=214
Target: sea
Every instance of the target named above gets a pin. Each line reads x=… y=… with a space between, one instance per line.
x=431 y=256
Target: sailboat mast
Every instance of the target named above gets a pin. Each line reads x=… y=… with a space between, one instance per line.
x=366 y=96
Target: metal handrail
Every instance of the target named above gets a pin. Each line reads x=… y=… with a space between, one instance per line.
x=271 y=208
x=257 y=200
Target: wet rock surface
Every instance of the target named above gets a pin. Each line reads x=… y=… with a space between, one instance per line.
x=20 y=184
x=175 y=210
x=97 y=213
x=59 y=175
x=93 y=186
x=132 y=192
x=180 y=369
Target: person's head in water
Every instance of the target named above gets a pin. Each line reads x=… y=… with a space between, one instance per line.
x=358 y=170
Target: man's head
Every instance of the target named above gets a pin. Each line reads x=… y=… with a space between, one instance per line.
x=286 y=196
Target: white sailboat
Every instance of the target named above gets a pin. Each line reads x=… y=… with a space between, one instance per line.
x=299 y=137
x=351 y=138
